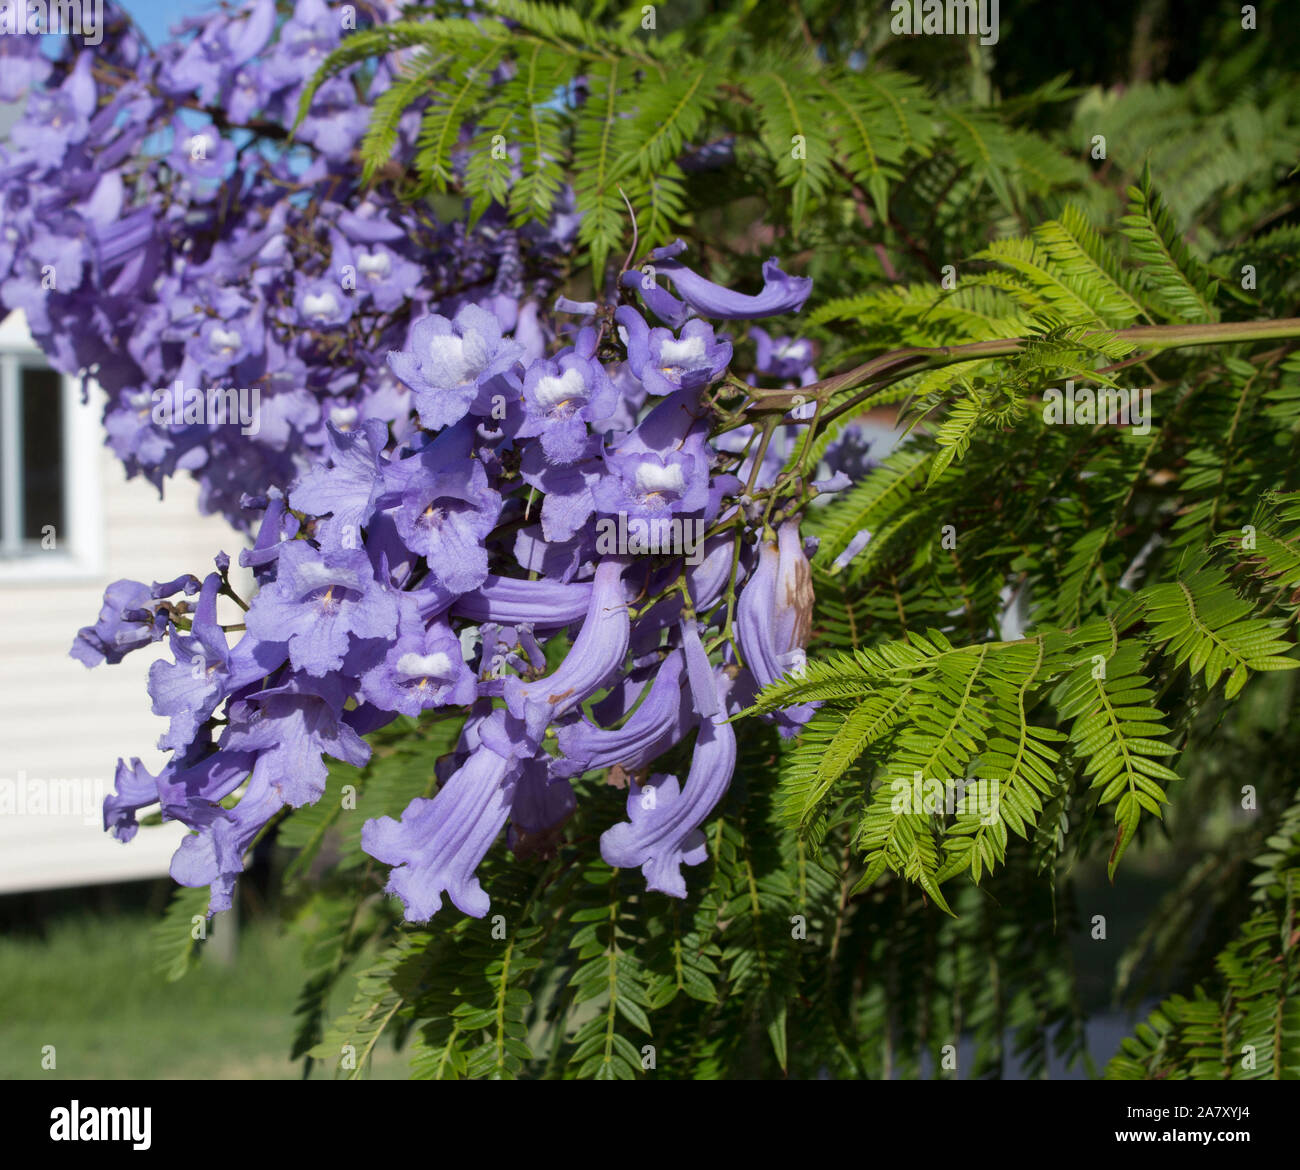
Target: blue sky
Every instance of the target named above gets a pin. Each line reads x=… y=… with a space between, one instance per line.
x=155 y=17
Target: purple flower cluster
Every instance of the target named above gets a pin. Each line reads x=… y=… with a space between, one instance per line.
x=427 y=566
x=449 y=476
x=160 y=233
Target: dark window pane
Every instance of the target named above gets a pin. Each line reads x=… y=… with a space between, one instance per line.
x=43 y=471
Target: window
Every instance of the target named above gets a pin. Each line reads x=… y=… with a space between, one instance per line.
x=33 y=463
x=49 y=497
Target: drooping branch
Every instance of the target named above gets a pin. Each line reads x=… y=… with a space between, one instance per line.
x=889 y=366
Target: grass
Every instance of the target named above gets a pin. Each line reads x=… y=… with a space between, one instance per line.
x=89 y=989
x=78 y=970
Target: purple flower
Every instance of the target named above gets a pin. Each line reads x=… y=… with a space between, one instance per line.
x=322 y=304
x=193 y=783
x=851 y=452
x=247 y=94
x=645 y=484
x=774 y=615
x=134 y=788
x=126 y=622
x=664 y=362
x=662 y=467
x=568 y=500
x=448 y=363
x=347 y=489
x=220 y=46
x=860 y=540
x=57 y=119
x=561 y=562
x=28 y=288
x=510 y=601
x=438 y=844
x=188 y=789
x=596 y=653
x=305 y=41
x=320 y=601
x=188 y=690
x=368 y=223
x=278 y=527
x=662 y=832
x=500 y=647
x=781 y=293
x=561 y=397
x=124 y=239
x=446 y=509
x=542 y=803
x=23 y=65
x=291 y=727
x=661 y=721
x=200 y=153
x=214 y=856
x=787 y=358
x=529 y=332
x=223 y=344
x=424 y=668
x=337 y=120
x=377 y=272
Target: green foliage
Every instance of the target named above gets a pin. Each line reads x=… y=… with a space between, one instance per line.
x=1153 y=576
x=334 y=888
x=1245 y=1025
x=1183 y=289
x=1088 y=630
x=813 y=136
x=578 y=972
x=609 y=977
x=924 y=709
x=175 y=945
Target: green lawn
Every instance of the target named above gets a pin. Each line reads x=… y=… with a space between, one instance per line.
x=89 y=989
x=80 y=975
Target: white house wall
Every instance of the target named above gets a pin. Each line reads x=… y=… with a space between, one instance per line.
x=60 y=721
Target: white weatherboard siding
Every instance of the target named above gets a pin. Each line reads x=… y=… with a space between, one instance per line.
x=60 y=721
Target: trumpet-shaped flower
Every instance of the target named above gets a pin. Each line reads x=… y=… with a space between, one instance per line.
x=319 y=603
x=437 y=844
x=662 y=832
x=596 y=653
x=448 y=363
x=774 y=615
x=780 y=294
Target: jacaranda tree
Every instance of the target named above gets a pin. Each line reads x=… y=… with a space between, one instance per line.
x=613 y=709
